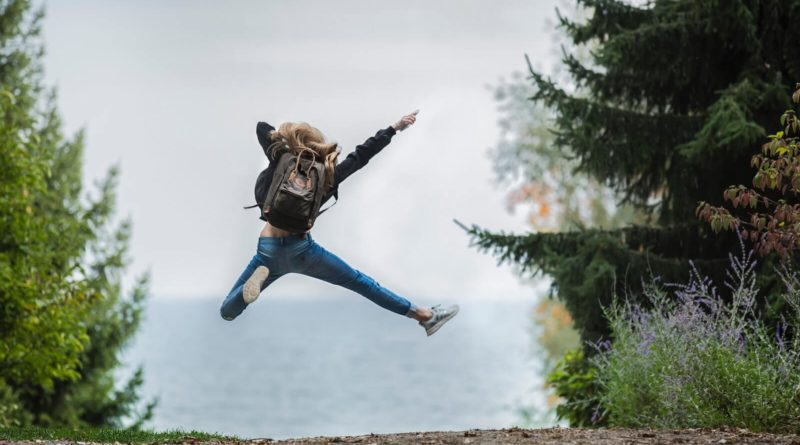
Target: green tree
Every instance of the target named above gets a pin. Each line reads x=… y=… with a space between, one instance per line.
x=666 y=113
x=545 y=174
x=63 y=316
x=557 y=197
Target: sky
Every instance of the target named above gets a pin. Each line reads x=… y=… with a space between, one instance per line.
x=171 y=92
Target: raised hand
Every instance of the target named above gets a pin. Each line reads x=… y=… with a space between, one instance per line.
x=405 y=121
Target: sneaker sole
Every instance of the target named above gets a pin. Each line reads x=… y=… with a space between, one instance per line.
x=252 y=287
x=438 y=325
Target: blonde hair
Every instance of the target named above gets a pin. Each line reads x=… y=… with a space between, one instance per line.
x=299 y=136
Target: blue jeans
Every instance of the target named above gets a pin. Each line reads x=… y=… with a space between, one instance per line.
x=301 y=254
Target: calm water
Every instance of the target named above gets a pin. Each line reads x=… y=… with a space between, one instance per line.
x=292 y=368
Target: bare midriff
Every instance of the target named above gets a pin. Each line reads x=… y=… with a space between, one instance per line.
x=272 y=231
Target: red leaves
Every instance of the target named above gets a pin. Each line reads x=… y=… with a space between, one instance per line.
x=741 y=196
x=777 y=227
x=719 y=217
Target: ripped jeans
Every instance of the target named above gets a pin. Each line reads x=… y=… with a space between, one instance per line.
x=301 y=254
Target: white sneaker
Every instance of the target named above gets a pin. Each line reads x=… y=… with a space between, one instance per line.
x=440 y=317
x=252 y=287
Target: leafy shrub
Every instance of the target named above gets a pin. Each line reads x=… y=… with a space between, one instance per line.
x=555 y=334
x=12 y=413
x=694 y=360
x=574 y=379
x=772 y=221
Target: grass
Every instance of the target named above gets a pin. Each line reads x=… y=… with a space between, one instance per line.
x=107 y=435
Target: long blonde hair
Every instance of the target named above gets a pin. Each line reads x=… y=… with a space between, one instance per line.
x=299 y=136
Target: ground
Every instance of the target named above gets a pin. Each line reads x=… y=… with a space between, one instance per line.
x=552 y=436
x=549 y=436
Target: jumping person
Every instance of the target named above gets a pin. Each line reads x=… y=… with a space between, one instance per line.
x=281 y=251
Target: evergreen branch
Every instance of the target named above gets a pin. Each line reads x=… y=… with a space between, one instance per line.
x=589 y=267
x=610 y=18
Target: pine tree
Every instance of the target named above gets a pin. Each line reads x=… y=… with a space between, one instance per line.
x=676 y=99
x=63 y=318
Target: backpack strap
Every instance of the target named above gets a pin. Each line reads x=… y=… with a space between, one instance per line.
x=281 y=150
x=336 y=199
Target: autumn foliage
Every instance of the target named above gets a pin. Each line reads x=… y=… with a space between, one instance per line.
x=768 y=214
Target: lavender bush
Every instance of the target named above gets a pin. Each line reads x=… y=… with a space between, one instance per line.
x=694 y=360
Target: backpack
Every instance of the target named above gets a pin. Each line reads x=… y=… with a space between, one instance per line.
x=292 y=200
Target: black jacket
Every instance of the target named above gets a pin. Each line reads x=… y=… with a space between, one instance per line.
x=354 y=161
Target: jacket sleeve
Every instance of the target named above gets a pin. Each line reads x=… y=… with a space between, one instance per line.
x=362 y=154
x=263 y=131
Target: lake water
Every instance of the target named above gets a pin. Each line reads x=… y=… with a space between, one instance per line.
x=335 y=366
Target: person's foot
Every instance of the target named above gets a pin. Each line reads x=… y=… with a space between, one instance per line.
x=252 y=287
x=440 y=317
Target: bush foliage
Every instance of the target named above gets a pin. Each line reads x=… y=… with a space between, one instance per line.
x=574 y=379
x=692 y=359
x=772 y=217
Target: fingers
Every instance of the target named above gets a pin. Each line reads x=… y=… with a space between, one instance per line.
x=407 y=120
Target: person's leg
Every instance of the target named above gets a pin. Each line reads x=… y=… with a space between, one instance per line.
x=321 y=264
x=234 y=303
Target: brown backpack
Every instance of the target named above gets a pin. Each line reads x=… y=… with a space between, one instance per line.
x=294 y=196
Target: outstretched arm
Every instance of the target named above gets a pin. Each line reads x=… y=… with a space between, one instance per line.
x=364 y=152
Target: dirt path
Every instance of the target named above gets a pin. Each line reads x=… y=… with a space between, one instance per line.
x=549 y=436
x=552 y=436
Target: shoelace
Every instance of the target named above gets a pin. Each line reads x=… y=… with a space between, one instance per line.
x=437 y=312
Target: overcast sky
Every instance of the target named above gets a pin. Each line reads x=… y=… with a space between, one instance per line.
x=172 y=91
